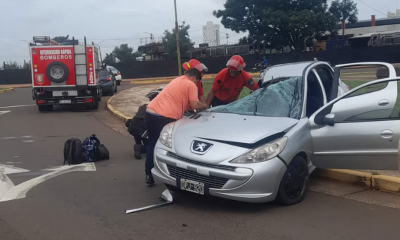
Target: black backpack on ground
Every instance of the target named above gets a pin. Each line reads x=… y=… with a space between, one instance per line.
x=73 y=151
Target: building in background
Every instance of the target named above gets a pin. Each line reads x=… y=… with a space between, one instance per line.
x=371 y=25
x=211 y=34
x=394 y=14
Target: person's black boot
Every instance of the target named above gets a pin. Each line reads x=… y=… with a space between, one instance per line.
x=149 y=180
x=137 y=150
x=143 y=149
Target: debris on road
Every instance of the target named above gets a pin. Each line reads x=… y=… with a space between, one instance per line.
x=165 y=196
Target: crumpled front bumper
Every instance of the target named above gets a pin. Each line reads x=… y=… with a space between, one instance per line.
x=254 y=183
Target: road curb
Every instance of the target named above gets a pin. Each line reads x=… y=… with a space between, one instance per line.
x=387 y=183
x=162 y=79
x=349 y=176
x=7 y=90
x=377 y=182
x=116 y=113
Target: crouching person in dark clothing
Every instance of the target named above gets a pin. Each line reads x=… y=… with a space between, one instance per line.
x=137 y=126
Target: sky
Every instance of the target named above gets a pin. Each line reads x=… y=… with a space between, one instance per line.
x=111 y=23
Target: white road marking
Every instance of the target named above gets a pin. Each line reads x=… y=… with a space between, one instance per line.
x=4 y=112
x=28 y=141
x=17 y=106
x=8 y=138
x=9 y=192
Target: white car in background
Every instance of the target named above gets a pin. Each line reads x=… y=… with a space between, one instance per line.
x=118 y=76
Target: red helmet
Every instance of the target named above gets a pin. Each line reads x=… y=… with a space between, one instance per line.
x=193 y=63
x=236 y=63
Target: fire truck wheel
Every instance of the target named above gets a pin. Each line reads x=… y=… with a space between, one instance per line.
x=95 y=106
x=57 y=72
x=48 y=108
x=42 y=108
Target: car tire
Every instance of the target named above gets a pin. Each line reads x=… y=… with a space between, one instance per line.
x=294 y=183
x=118 y=83
x=60 y=65
x=116 y=88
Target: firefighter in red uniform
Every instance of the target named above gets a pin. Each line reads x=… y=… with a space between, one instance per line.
x=199 y=84
x=229 y=83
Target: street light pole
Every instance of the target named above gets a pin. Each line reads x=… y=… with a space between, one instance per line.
x=178 y=49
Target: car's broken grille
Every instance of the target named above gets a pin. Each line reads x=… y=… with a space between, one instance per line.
x=222 y=167
x=211 y=181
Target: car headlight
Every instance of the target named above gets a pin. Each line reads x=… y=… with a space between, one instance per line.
x=263 y=153
x=166 y=135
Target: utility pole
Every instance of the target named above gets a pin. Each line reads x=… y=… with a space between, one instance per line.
x=343 y=17
x=227 y=39
x=178 y=50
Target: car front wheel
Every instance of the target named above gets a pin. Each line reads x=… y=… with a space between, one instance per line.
x=294 y=184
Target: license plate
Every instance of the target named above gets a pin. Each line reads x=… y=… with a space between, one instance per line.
x=192 y=186
x=65 y=101
x=65 y=93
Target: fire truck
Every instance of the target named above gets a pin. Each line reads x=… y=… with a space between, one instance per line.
x=64 y=73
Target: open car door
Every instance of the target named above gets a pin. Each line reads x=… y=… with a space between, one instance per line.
x=360 y=129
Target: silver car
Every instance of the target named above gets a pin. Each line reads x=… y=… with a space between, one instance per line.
x=264 y=146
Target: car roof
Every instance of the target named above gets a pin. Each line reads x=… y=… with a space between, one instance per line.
x=287 y=70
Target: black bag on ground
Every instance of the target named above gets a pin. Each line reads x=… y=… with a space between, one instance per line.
x=103 y=153
x=90 y=149
x=93 y=150
x=73 y=151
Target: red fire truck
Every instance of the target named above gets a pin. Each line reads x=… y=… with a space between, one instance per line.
x=64 y=73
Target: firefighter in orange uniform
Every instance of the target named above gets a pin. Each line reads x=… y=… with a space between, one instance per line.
x=229 y=82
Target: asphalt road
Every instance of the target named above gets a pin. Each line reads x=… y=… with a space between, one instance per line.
x=91 y=205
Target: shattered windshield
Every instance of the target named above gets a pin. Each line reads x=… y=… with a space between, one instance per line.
x=282 y=99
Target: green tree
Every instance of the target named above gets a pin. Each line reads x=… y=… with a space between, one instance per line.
x=279 y=22
x=345 y=11
x=124 y=53
x=11 y=65
x=169 y=39
x=109 y=59
x=27 y=65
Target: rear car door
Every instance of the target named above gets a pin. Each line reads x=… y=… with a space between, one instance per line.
x=360 y=129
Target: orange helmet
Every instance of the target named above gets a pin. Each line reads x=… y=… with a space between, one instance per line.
x=236 y=63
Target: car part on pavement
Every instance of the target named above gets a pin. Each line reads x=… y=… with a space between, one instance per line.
x=165 y=196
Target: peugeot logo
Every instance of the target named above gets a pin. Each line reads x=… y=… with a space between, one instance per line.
x=200 y=147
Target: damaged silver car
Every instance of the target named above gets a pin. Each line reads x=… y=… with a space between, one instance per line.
x=263 y=147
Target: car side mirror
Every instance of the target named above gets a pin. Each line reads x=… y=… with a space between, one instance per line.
x=329 y=119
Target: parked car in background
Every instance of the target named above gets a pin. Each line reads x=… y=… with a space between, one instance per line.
x=264 y=146
x=108 y=82
x=118 y=76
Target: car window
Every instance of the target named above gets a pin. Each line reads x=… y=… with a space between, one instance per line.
x=282 y=99
x=103 y=74
x=377 y=114
x=369 y=89
x=326 y=78
x=315 y=97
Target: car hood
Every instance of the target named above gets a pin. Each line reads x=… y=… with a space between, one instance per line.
x=232 y=128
